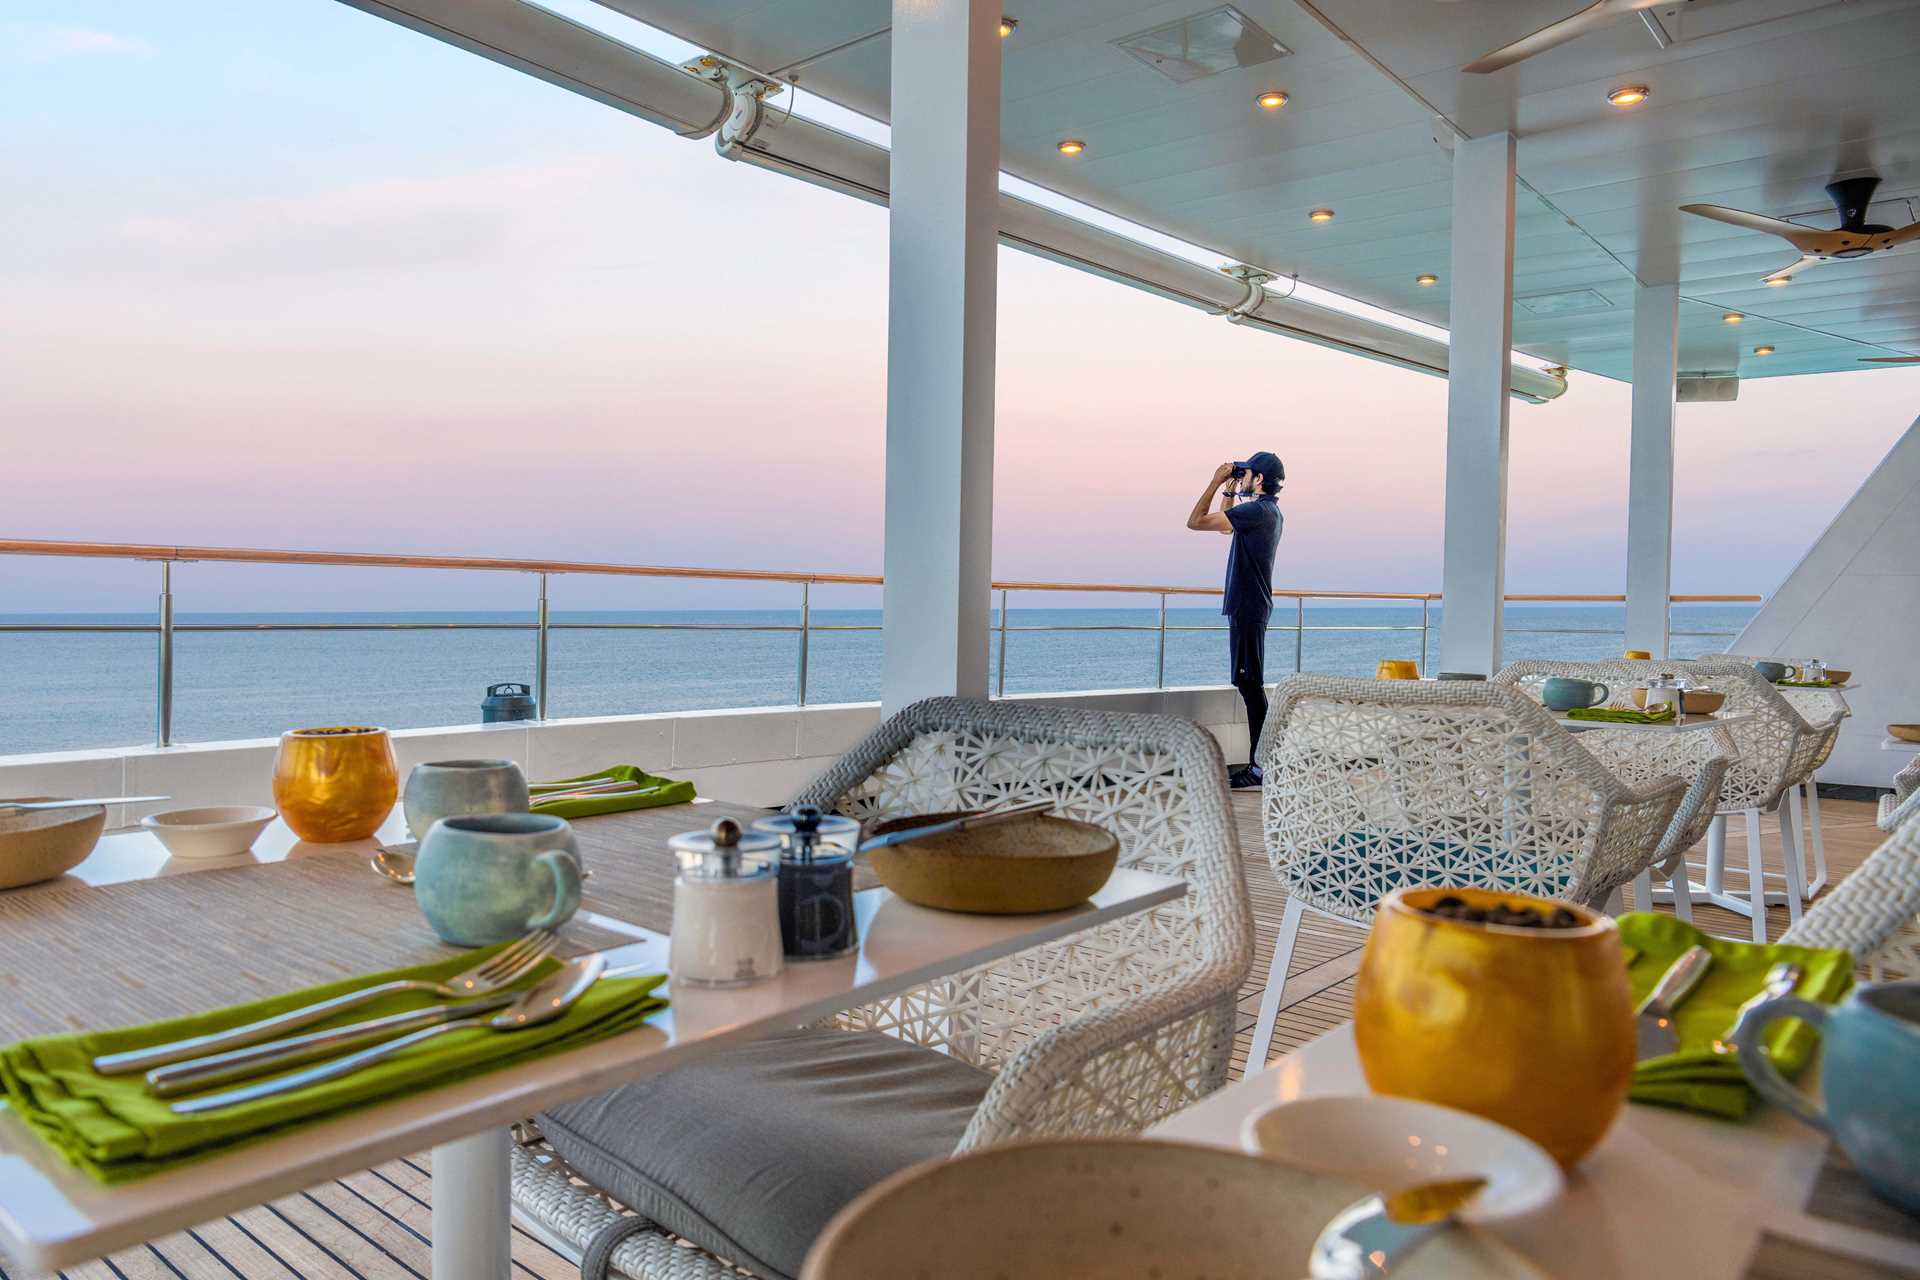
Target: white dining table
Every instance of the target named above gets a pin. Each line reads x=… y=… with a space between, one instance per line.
x=1679 y=724
x=1667 y=1195
x=53 y=1216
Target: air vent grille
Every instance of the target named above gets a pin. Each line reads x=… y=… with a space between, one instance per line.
x=1203 y=45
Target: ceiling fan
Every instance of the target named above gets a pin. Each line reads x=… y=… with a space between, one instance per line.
x=1592 y=18
x=1855 y=237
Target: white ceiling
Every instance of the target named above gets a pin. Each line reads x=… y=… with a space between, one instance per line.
x=1756 y=104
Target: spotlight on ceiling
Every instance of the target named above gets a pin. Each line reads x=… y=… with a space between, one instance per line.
x=1426 y=278
x=1320 y=215
x=1272 y=99
x=1763 y=350
x=1071 y=146
x=1732 y=317
x=1007 y=25
x=1629 y=95
x=1776 y=282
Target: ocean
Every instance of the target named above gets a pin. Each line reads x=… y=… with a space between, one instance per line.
x=75 y=690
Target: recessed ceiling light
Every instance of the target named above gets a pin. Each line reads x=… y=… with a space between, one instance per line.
x=1733 y=317
x=1775 y=282
x=1007 y=25
x=1272 y=99
x=1629 y=95
x=1071 y=146
x=1763 y=351
x=1320 y=215
x=1426 y=278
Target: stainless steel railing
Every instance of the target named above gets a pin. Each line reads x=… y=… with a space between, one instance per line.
x=165 y=627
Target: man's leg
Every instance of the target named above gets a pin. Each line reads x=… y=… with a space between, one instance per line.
x=1247 y=649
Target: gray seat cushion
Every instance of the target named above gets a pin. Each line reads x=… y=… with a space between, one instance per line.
x=750 y=1152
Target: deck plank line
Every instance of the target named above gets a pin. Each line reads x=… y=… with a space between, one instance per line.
x=270 y=1251
x=361 y=1231
x=194 y=1235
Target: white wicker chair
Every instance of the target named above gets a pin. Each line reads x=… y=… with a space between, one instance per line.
x=1699 y=759
x=1376 y=784
x=1875 y=912
x=1100 y=1034
x=1816 y=707
x=1903 y=802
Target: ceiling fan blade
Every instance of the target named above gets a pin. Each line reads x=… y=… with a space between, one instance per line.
x=1890 y=359
x=1805 y=239
x=1591 y=18
x=1791 y=268
x=1909 y=232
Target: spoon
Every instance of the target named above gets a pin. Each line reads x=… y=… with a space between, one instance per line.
x=541 y=1004
x=395 y=864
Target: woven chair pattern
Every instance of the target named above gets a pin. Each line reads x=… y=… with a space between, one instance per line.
x=1903 y=805
x=1372 y=785
x=1700 y=759
x=1102 y=1033
x=1872 y=913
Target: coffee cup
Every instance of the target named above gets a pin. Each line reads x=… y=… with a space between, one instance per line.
x=486 y=878
x=1776 y=671
x=1869 y=1079
x=461 y=788
x=1397 y=669
x=1564 y=693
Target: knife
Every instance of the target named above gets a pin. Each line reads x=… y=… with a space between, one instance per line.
x=1653 y=1021
x=1372 y=1237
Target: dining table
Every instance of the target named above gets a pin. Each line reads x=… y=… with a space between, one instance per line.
x=1667 y=1195
x=133 y=936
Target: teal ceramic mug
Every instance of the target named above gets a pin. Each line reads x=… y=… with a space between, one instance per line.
x=1564 y=693
x=1869 y=1079
x=458 y=788
x=485 y=878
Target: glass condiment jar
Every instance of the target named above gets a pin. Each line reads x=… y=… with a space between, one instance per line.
x=1813 y=670
x=726 y=921
x=816 y=881
x=1665 y=689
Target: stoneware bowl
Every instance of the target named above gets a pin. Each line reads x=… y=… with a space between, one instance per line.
x=1042 y=864
x=1394 y=1143
x=40 y=845
x=217 y=832
x=1114 y=1208
x=1905 y=732
x=461 y=788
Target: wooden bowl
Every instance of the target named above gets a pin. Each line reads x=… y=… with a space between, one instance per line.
x=1117 y=1208
x=1905 y=732
x=1701 y=702
x=41 y=844
x=1042 y=864
x=1839 y=677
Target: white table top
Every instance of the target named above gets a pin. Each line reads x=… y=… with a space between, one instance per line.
x=1681 y=724
x=53 y=1216
x=1895 y=744
x=1666 y=1194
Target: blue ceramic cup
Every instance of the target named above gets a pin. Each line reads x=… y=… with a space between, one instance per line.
x=1564 y=693
x=486 y=878
x=1869 y=1079
x=457 y=788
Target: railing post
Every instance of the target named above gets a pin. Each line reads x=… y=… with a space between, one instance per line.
x=1160 y=680
x=806 y=620
x=1425 y=606
x=540 y=634
x=1000 y=683
x=1299 y=634
x=163 y=679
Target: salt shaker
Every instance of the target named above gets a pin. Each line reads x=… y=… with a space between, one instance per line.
x=1664 y=690
x=816 y=881
x=726 y=920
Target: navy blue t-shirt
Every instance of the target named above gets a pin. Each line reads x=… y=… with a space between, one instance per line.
x=1256 y=536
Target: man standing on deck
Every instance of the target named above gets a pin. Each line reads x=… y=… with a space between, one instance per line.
x=1250 y=512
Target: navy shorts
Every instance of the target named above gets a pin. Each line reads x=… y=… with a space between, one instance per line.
x=1246 y=649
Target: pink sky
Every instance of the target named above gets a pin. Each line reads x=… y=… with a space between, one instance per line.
x=535 y=327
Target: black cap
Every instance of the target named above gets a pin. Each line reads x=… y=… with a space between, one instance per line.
x=1266 y=464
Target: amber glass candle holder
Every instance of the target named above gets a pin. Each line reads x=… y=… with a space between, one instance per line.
x=336 y=783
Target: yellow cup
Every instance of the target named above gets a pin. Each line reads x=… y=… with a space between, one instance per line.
x=335 y=784
x=1531 y=1028
x=1637 y=655
x=1397 y=669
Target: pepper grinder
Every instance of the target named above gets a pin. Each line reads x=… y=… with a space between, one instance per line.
x=816 y=882
x=726 y=922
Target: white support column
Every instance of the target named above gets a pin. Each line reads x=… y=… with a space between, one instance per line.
x=943 y=229
x=472 y=1208
x=1656 y=362
x=1474 y=567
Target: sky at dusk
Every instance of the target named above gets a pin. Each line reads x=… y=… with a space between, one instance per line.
x=282 y=274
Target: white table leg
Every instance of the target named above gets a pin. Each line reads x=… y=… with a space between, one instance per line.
x=472 y=1224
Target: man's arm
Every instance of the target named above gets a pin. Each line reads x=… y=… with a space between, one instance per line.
x=1205 y=521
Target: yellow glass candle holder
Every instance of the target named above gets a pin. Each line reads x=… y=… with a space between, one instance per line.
x=1397 y=669
x=336 y=783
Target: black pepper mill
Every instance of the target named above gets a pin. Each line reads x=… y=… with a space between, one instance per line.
x=816 y=882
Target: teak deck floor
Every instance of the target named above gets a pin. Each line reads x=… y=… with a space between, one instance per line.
x=376 y=1225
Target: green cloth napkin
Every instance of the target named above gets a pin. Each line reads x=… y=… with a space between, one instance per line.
x=114 y=1130
x=1697 y=1078
x=1622 y=715
x=1804 y=684
x=656 y=791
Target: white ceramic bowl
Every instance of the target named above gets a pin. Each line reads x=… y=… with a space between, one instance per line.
x=217 y=832
x=1391 y=1143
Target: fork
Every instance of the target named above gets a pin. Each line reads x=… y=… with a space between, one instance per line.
x=501 y=969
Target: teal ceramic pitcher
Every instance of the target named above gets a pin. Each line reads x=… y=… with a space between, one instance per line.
x=486 y=878
x=1869 y=1079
